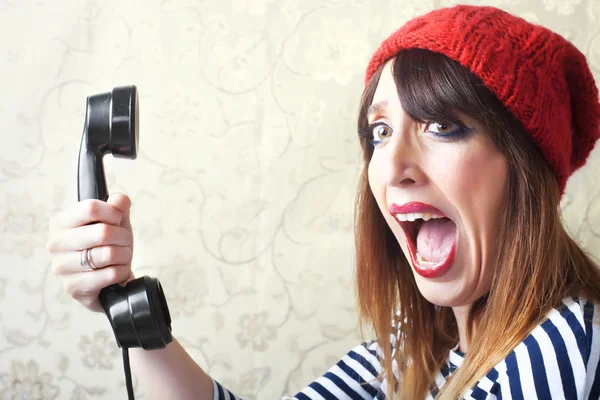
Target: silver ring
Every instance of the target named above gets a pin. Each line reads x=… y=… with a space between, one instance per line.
x=90 y=262
x=86 y=260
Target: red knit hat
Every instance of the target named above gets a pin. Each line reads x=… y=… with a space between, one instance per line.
x=539 y=76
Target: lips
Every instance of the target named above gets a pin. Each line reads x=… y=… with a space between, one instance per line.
x=414 y=207
x=411 y=229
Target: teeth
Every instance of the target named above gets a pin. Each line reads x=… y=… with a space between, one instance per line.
x=423 y=262
x=414 y=216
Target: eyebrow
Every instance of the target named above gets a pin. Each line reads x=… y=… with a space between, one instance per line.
x=376 y=108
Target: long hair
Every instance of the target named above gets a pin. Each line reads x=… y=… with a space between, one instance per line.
x=537 y=263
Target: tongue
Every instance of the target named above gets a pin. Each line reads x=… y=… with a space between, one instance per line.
x=435 y=239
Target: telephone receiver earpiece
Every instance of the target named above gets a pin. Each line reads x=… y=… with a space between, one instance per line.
x=138 y=312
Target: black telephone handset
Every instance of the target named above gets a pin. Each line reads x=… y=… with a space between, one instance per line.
x=138 y=312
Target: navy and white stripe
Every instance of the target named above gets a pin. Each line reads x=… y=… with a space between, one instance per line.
x=559 y=359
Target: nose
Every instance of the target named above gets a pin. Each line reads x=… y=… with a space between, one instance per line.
x=402 y=161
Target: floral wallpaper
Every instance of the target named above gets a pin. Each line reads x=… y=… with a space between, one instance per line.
x=242 y=190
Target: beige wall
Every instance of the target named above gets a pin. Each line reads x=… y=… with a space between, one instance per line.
x=243 y=188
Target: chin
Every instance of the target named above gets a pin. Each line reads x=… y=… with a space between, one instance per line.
x=453 y=289
x=443 y=294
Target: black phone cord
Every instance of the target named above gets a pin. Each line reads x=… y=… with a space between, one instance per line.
x=128 y=382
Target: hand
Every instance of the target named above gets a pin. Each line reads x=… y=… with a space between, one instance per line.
x=110 y=241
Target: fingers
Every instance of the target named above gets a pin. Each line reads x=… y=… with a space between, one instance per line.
x=105 y=229
x=88 y=285
x=66 y=263
x=87 y=236
x=86 y=212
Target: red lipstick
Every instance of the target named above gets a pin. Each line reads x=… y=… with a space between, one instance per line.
x=423 y=268
x=414 y=207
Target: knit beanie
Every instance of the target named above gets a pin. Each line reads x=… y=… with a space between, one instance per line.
x=539 y=76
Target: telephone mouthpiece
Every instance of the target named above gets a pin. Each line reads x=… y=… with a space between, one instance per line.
x=112 y=122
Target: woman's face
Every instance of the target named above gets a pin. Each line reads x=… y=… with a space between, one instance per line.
x=453 y=178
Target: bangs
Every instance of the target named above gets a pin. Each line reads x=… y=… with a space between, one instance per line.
x=433 y=87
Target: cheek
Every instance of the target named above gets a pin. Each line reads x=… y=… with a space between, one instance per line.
x=474 y=180
x=378 y=186
x=375 y=181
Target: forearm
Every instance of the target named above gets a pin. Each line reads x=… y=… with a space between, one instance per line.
x=170 y=373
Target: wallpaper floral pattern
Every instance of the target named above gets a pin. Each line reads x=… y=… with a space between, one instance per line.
x=243 y=188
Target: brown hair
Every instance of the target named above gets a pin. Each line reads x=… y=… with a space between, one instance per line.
x=537 y=264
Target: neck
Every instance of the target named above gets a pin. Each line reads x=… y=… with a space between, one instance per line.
x=461 y=313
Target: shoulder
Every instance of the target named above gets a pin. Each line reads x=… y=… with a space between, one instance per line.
x=355 y=376
x=561 y=355
x=365 y=357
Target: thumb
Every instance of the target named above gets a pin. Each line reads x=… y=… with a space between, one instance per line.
x=121 y=202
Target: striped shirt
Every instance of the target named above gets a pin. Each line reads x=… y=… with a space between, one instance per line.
x=559 y=359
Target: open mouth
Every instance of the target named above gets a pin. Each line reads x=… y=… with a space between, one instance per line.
x=431 y=242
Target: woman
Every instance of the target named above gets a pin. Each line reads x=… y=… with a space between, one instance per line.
x=471 y=122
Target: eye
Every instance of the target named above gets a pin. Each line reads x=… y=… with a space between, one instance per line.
x=445 y=128
x=381 y=132
x=377 y=133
